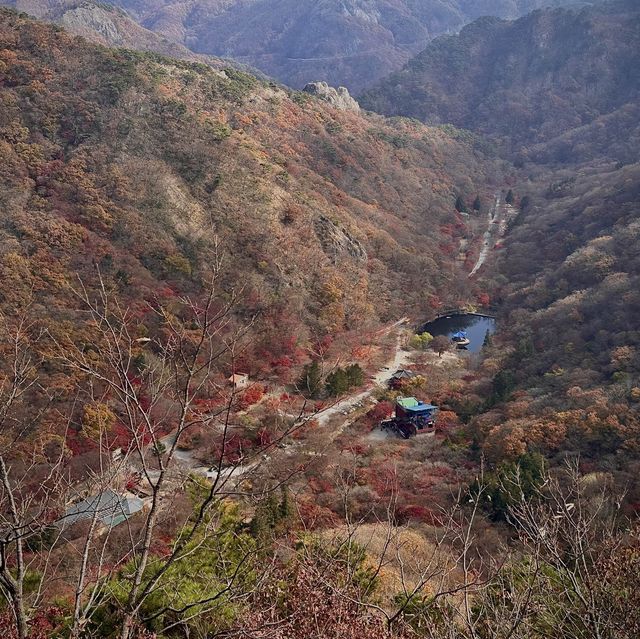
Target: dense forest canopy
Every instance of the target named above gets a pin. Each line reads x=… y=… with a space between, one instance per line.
x=567 y=276
x=557 y=91
x=128 y=171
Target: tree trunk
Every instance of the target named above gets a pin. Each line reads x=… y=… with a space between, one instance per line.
x=127 y=626
x=21 y=617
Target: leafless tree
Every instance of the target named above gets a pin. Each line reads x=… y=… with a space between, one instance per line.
x=31 y=488
x=565 y=530
x=154 y=385
x=565 y=573
x=158 y=405
x=448 y=568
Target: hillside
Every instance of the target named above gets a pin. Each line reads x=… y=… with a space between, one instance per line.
x=558 y=90
x=102 y=24
x=568 y=381
x=331 y=221
x=526 y=82
x=207 y=285
x=110 y=26
x=352 y=43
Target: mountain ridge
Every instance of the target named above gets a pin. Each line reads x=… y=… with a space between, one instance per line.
x=348 y=43
x=526 y=81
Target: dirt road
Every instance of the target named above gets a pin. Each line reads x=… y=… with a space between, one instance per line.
x=488 y=240
x=400 y=359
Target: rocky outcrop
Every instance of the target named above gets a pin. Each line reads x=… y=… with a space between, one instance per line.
x=338 y=242
x=107 y=25
x=91 y=19
x=339 y=98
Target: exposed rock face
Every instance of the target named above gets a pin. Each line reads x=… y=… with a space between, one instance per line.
x=339 y=98
x=106 y=25
x=90 y=19
x=337 y=242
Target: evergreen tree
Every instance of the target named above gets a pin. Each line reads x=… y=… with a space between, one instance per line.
x=259 y=527
x=461 y=207
x=524 y=347
x=355 y=375
x=268 y=516
x=510 y=198
x=343 y=379
x=503 y=383
x=337 y=383
x=285 y=503
x=311 y=379
x=477 y=203
x=512 y=482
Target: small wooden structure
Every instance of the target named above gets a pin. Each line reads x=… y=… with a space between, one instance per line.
x=399 y=377
x=239 y=380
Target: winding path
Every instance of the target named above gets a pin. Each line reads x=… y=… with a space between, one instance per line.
x=400 y=358
x=486 y=240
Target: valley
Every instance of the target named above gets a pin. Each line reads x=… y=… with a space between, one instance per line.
x=231 y=404
x=497 y=218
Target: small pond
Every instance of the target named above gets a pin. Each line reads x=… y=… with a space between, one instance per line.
x=476 y=327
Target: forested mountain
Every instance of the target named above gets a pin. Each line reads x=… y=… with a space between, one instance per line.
x=109 y=26
x=135 y=163
x=558 y=91
x=531 y=81
x=569 y=281
x=101 y=23
x=351 y=43
x=179 y=198
x=208 y=281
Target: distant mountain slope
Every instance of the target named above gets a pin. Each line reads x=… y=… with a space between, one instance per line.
x=102 y=24
x=527 y=81
x=343 y=42
x=113 y=27
x=570 y=285
x=331 y=221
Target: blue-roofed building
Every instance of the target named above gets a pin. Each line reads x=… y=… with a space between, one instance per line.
x=460 y=339
x=412 y=417
x=411 y=407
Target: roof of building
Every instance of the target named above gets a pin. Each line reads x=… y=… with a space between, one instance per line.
x=238 y=377
x=110 y=507
x=414 y=405
x=403 y=374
